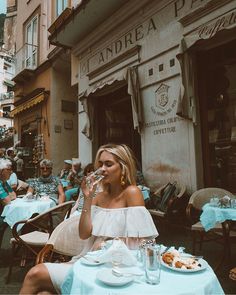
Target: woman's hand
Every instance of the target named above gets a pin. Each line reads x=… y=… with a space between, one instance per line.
x=12 y=196
x=88 y=187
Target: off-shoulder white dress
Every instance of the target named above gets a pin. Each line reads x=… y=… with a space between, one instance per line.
x=108 y=224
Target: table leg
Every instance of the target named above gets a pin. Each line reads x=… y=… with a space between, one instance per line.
x=225 y=260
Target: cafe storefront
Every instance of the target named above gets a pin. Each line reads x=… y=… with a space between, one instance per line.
x=28 y=115
x=159 y=76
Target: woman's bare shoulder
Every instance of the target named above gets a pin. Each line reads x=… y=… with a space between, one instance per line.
x=133 y=196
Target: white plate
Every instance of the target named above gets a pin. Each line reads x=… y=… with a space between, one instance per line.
x=90 y=262
x=106 y=276
x=202 y=262
x=28 y=200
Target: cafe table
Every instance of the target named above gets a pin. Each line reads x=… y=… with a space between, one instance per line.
x=82 y=279
x=22 y=209
x=212 y=215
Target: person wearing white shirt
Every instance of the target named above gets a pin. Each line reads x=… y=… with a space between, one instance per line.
x=116 y=210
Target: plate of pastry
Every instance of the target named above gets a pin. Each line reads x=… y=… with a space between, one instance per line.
x=182 y=262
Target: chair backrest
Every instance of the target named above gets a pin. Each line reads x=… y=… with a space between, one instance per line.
x=48 y=220
x=64 y=240
x=202 y=196
x=180 y=189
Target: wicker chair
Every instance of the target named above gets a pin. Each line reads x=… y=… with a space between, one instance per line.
x=194 y=209
x=35 y=233
x=63 y=243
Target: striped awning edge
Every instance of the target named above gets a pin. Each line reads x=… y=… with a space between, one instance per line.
x=28 y=104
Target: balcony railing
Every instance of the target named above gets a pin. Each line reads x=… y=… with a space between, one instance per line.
x=26 y=58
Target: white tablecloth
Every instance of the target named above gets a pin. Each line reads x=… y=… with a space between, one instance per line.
x=81 y=280
x=21 y=209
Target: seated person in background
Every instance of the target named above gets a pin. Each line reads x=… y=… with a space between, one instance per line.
x=6 y=192
x=141 y=183
x=19 y=165
x=10 y=155
x=80 y=201
x=13 y=181
x=117 y=210
x=47 y=184
x=64 y=173
x=75 y=178
x=140 y=178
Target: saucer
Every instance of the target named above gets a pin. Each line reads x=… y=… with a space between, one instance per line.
x=107 y=277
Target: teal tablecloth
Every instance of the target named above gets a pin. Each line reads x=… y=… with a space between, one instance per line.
x=212 y=215
x=81 y=280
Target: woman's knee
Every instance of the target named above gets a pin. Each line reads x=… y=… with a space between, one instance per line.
x=38 y=273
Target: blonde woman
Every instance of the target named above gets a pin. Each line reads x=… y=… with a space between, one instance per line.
x=117 y=210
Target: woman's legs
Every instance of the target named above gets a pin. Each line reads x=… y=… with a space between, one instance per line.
x=37 y=280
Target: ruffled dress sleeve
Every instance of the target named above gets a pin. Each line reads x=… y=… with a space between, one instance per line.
x=123 y=222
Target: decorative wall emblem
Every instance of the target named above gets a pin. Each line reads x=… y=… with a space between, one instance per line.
x=161 y=95
x=163 y=103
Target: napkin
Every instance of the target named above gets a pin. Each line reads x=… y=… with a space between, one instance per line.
x=118 y=245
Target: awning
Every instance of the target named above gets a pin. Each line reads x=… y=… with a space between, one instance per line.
x=130 y=76
x=28 y=104
x=222 y=29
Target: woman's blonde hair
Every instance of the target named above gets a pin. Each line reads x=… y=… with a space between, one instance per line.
x=124 y=156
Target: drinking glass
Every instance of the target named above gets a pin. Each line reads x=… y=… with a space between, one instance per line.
x=96 y=175
x=133 y=241
x=233 y=203
x=116 y=258
x=214 y=201
x=152 y=264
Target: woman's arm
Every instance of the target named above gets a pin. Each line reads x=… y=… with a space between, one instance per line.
x=61 y=194
x=6 y=200
x=12 y=195
x=85 y=224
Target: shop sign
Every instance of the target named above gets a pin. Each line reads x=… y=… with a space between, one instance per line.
x=162 y=107
x=181 y=6
x=119 y=46
x=224 y=22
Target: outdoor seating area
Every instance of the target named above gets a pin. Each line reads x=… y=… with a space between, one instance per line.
x=174 y=235
x=60 y=244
